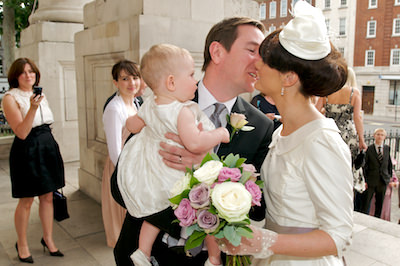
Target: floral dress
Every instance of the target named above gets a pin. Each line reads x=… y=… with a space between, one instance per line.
x=343 y=116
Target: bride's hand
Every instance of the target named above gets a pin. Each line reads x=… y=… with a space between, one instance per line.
x=258 y=246
x=177 y=157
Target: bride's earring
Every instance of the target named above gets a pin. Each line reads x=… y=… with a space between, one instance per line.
x=282 y=91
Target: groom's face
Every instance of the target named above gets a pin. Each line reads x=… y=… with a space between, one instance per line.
x=240 y=60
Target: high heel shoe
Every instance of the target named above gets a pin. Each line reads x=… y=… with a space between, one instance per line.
x=27 y=259
x=55 y=253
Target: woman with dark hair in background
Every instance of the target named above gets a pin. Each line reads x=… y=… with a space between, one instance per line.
x=127 y=80
x=36 y=166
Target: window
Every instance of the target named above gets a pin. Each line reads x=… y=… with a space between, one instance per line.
x=371 y=29
x=271 y=28
x=327 y=21
x=396 y=27
x=395 y=57
x=284 y=8
x=272 y=9
x=342 y=26
x=263 y=11
x=394 y=92
x=369 y=57
x=341 y=50
x=327 y=3
x=343 y=2
x=397 y=2
x=373 y=4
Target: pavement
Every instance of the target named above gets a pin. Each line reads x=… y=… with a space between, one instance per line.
x=82 y=240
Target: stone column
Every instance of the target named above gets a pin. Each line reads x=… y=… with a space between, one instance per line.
x=49 y=41
x=117 y=29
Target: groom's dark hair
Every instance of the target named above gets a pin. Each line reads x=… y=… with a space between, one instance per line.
x=225 y=32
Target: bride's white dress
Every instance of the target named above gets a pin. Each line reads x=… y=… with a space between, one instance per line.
x=143 y=178
x=309 y=184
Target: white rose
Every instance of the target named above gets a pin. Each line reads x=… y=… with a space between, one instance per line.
x=208 y=172
x=232 y=200
x=180 y=185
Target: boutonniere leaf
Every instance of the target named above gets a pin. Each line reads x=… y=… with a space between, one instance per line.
x=238 y=122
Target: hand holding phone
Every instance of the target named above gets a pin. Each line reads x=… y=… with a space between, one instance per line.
x=37 y=90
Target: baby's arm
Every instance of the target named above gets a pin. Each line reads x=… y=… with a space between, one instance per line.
x=147 y=237
x=193 y=139
x=134 y=124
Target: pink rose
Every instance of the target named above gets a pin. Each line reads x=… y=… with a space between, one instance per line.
x=250 y=168
x=255 y=192
x=229 y=173
x=185 y=213
x=199 y=196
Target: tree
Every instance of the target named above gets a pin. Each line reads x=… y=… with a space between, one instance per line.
x=14 y=16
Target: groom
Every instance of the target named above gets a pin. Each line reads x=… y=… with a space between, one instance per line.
x=231 y=51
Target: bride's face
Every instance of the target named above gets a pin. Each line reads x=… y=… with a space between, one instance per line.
x=268 y=79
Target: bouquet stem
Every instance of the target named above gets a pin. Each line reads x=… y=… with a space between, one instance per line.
x=236 y=260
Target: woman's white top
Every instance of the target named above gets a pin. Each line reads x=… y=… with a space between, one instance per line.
x=43 y=113
x=114 y=118
x=144 y=180
x=309 y=183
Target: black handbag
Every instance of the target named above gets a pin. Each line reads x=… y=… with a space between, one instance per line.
x=359 y=161
x=60 y=206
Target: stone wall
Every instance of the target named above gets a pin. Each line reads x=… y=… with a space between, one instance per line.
x=127 y=29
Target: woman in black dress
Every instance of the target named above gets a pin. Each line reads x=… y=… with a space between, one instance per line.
x=36 y=166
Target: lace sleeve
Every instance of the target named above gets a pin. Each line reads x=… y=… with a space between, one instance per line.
x=258 y=246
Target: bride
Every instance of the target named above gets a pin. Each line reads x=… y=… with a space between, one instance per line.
x=307 y=172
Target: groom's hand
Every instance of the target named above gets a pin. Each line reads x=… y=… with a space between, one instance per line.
x=176 y=157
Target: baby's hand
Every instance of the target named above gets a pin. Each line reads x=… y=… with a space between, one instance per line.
x=224 y=135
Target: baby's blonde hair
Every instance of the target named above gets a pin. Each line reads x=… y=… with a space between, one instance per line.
x=161 y=61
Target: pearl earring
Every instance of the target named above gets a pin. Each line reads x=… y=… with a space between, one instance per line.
x=282 y=91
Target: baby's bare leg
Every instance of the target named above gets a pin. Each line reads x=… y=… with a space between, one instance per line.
x=148 y=234
x=214 y=254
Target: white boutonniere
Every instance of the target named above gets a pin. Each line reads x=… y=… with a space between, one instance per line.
x=238 y=122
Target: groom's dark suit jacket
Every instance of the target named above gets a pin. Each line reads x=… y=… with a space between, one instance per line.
x=252 y=145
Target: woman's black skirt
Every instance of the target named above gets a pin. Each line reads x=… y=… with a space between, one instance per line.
x=36 y=165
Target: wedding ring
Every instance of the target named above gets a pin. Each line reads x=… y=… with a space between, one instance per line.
x=180 y=159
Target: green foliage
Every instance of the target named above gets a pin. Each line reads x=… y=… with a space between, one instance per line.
x=23 y=9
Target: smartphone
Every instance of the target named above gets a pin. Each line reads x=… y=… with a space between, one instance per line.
x=37 y=90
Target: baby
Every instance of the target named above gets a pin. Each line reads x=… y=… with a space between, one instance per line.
x=144 y=180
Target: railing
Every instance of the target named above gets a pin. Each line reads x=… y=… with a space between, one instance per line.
x=5 y=130
x=392 y=139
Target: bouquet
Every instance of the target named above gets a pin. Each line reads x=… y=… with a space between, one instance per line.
x=215 y=199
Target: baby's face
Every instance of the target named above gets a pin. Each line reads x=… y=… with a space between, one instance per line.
x=185 y=83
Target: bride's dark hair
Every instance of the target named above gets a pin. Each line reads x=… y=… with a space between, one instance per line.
x=318 y=77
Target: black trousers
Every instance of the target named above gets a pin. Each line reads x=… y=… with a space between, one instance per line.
x=128 y=242
x=379 y=190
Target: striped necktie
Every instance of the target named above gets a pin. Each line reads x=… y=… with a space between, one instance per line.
x=380 y=155
x=219 y=108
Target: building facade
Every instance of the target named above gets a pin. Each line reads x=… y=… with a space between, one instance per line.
x=377 y=57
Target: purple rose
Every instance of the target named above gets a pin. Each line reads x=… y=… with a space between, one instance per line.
x=233 y=173
x=185 y=213
x=199 y=196
x=208 y=221
x=255 y=192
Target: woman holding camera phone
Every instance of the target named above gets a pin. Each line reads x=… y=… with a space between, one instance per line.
x=36 y=165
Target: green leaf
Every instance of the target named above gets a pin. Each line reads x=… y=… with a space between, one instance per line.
x=215 y=157
x=260 y=183
x=231 y=234
x=240 y=161
x=244 y=233
x=241 y=223
x=207 y=158
x=218 y=230
x=195 y=240
x=230 y=160
x=245 y=177
x=192 y=228
x=212 y=209
x=177 y=199
x=193 y=182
